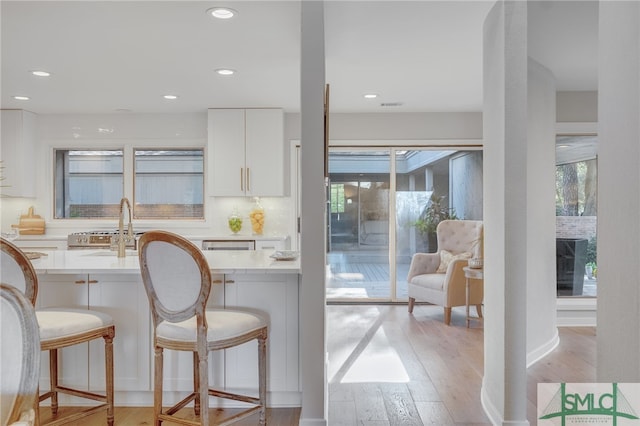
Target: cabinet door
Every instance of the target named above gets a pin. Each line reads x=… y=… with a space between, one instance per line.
x=18 y=146
x=265 y=152
x=178 y=365
x=226 y=152
x=68 y=291
x=270 y=245
x=124 y=298
x=275 y=297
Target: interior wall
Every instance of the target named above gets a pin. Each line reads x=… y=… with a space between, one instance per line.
x=577 y=107
x=396 y=126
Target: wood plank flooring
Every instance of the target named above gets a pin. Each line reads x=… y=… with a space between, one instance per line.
x=387 y=367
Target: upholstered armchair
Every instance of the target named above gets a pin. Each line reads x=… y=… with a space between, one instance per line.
x=438 y=277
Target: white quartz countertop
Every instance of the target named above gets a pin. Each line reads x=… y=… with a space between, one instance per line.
x=106 y=261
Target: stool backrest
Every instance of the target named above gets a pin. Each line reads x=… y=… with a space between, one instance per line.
x=17 y=270
x=176 y=276
x=19 y=356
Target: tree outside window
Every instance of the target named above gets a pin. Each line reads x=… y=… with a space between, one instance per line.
x=337 y=198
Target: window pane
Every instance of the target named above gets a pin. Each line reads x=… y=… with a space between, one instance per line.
x=169 y=184
x=432 y=186
x=576 y=215
x=88 y=184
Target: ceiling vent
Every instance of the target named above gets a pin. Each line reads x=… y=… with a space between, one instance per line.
x=391 y=104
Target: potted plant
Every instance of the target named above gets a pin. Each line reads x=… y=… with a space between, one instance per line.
x=591 y=270
x=434 y=212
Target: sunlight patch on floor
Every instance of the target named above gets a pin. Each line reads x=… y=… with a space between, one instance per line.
x=378 y=363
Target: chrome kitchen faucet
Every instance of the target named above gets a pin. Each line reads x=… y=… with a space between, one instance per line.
x=120 y=241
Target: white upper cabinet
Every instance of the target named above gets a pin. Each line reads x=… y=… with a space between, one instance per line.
x=246 y=152
x=17 y=153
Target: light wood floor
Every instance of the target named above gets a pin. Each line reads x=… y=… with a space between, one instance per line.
x=387 y=367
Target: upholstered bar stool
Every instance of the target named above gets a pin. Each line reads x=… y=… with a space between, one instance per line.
x=177 y=279
x=59 y=328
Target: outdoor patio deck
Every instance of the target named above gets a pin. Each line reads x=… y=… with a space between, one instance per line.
x=365 y=275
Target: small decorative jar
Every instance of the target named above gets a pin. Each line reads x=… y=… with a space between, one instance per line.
x=476 y=263
x=257 y=218
x=235 y=222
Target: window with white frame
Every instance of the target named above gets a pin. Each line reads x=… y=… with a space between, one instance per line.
x=88 y=183
x=168 y=183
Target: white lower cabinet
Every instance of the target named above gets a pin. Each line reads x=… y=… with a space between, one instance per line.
x=275 y=297
x=121 y=296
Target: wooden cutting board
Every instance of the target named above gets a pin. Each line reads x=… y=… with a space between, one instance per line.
x=30 y=224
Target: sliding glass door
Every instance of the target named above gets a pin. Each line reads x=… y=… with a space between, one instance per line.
x=358 y=225
x=377 y=201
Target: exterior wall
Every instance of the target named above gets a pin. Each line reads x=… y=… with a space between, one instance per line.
x=576 y=226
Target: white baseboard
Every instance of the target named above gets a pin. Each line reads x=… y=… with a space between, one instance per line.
x=313 y=422
x=577 y=312
x=542 y=350
x=489 y=408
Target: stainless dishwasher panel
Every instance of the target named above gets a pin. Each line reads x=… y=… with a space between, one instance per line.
x=228 y=245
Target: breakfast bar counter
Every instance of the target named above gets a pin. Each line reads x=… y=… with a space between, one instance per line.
x=106 y=261
x=246 y=280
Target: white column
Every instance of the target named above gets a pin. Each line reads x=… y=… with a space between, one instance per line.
x=542 y=330
x=618 y=340
x=313 y=217
x=504 y=391
x=428 y=179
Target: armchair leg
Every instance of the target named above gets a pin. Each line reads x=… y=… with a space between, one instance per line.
x=479 y=310
x=412 y=300
x=447 y=315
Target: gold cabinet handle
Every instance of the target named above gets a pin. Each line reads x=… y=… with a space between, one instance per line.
x=241 y=179
x=248 y=185
x=80 y=282
x=93 y=281
x=216 y=281
x=229 y=282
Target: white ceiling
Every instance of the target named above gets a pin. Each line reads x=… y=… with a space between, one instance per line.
x=114 y=55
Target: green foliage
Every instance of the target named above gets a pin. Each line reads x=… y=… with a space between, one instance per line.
x=435 y=212
x=592 y=251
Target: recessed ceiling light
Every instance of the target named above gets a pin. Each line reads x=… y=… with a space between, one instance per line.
x=225 y=71
x=370 y=95
x=41 y=73
x=172 y=97
x=222 y=12
x=563 y=146
x=21 y=98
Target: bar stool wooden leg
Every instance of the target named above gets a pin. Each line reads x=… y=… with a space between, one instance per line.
x=157 y=393
x=53 y=380
x=203 y=388
x=262 y=379
x=108 y=348
x=196 y=384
